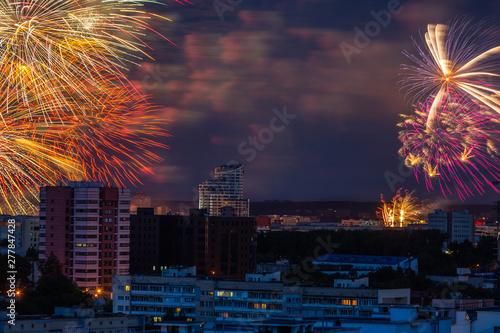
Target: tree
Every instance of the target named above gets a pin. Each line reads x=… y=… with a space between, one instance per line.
x=53 y=289
x=51 y=266
x=386 y=277
x=32 y=254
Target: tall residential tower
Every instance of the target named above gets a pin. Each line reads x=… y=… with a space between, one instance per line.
x=225 y=190
x=87 y=227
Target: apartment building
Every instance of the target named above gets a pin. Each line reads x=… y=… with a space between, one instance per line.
x=87 y=226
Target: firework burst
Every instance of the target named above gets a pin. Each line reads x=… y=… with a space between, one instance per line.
x=462 y=57
x=60 y=48
x=68 y=111
x=32 y=153
x=114 y=145
x=404 y=209
x=459 y=152
x=116 y=139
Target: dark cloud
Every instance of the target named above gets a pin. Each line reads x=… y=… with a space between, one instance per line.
x=219 y=87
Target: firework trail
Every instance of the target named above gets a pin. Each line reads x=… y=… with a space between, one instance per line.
x=116 y=139
x=32 y=153
x=114 y=144
x=462 y=57
x=60 y=48
x=68 y=110
x=459 y=152
x=404 y=209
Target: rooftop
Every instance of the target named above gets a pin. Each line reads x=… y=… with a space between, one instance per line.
x=360 y=259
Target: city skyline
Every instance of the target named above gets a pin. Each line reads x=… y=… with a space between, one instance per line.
x=298 y=166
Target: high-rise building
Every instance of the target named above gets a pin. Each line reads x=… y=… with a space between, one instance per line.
x=459 y=226
x=218 y=246
x=87 y=227
x=225 y=190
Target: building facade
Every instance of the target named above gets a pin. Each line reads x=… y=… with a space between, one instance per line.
x=459 y=226
x=217 y=246
x=226 y=189
x=26 y=232
x=204 y=299
x=73 y=320
x=486 y=229
x=87 y=227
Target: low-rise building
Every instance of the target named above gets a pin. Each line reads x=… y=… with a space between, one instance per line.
x=73 y=320
x=361 y=223
x=345 y=263
x=363 y=282
x=459 y=226
x=204 y=299
x=263 y=277
x=486 y=229
x=399 y=319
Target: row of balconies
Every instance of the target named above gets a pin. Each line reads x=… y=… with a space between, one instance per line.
x=264 y=300
x=159 y=314
x=246 y=310
x=177 y=304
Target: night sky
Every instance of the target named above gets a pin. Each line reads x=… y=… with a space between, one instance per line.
x=339 y=140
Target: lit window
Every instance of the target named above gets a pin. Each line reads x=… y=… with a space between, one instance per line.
x=225 y=293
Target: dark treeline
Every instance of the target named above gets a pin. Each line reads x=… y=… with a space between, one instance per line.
x=52 y=289
x=426 y=245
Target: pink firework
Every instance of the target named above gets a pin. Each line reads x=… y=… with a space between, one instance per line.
x=458 y=153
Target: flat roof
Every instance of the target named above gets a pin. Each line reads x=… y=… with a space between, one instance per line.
x=359 y=259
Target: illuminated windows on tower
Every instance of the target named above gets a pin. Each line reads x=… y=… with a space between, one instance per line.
x=224 y=194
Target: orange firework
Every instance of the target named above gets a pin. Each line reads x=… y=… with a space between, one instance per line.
x=115 y=142
x=69 y=111
x=32 y=153
x=404 y=209
x=49 y=47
